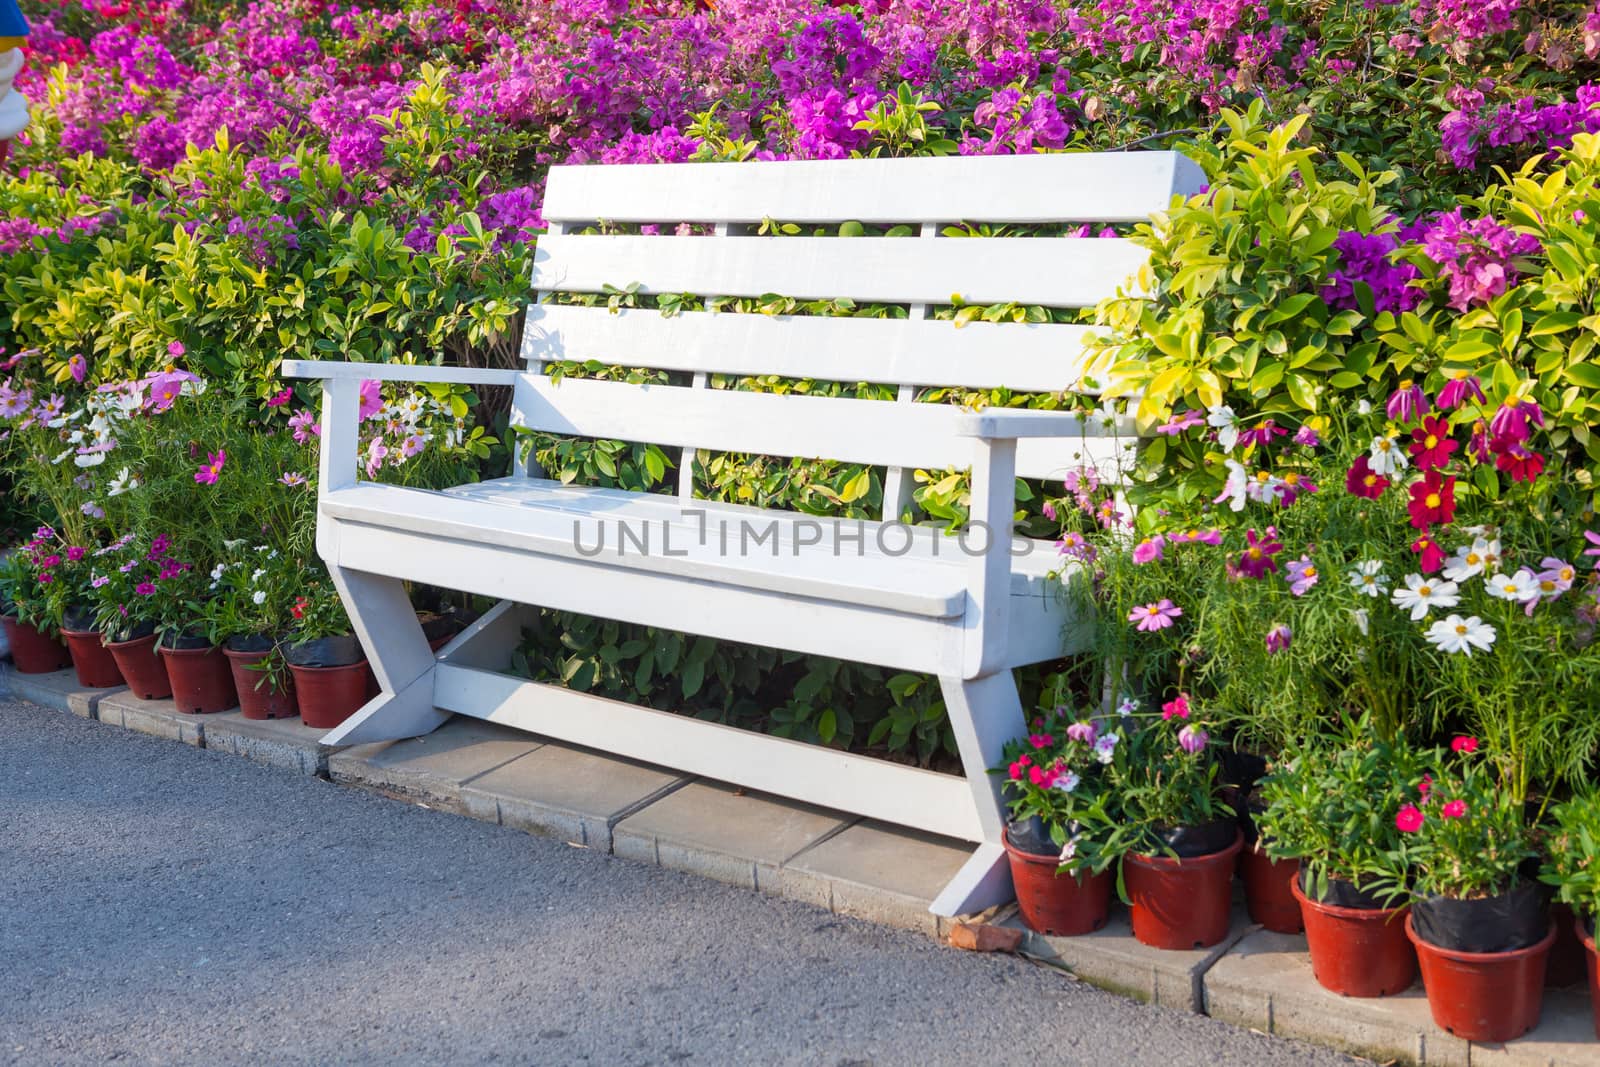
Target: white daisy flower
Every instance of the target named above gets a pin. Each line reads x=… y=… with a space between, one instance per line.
x=1421 y=595
x=1455 y=634
x=1368 y=577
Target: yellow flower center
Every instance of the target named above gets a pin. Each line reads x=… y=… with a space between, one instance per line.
x=1431 y=441
x=1432 y=500
x=1384 y=444
x=1253 y=553
x=1291 y=479
x=1370 y=480
x=1424 y=590
x=1473 y=559
x=1461 y=629
x=1262 y=476
x=1547 y=586
x=1566 y=574
x=1309 y=572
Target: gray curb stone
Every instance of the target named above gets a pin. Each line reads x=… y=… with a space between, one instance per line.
x=59 y=689
x=287 y=744
x=158 y=718
x=873 y=871
x=432 y=768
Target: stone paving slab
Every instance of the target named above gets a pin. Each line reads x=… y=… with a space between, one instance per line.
x=432 y=768
x=59 y=689
x=878 y=872
x=288 y=744
x=1113 y=959
x=1265 y=983
x=720 y=832
x=567 y=792
x=158 y=718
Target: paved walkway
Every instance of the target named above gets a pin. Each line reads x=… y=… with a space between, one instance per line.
x=164 y=904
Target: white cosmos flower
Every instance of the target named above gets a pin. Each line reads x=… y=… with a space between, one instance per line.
x=93 y=459
x=216 y=572
x=1387 y=457
x=57 y=461
x=1421 y=595
x=1455 y=634
x=1469 y=560
x=1521 y=587
x=1221 y=419
x=124 y=482
x=1368 y=577
x=1363 y=407
x=1237 y=489
x=1361 y=618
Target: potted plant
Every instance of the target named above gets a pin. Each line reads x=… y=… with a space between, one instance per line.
x=331 y=676
x=1572 y=866
x=1337 y=805
x=1178 y=839
x=250 y=608
x=30 y=634
x=1056 y=797
x=1478 y=923
x=202 y=682
x=123 y=592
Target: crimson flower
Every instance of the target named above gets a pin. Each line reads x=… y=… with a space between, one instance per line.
x=1510 y=424
x=1361 y=480
x=1431 y=443
x=1176 y=708
x=299 y=609
x=1524 y=465
x=1432 y=556
x=1433 y=499
x=1465 y=744
x=1454 y=810
x=1256 y=560
x=1408 y=819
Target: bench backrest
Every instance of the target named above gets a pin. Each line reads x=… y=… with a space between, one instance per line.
x=921 y=270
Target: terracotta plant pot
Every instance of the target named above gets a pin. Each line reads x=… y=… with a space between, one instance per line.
x=1567 y=955
x=1358 y=952
x=201 y=681
x=263 y=702
x=329 y=695
x=1181 y=903
x=96 y=667
x=1594 y=970
x=1267 y=893
x=1484 y=996
x=31 y=651
x=141 y=667
x=1057 y=904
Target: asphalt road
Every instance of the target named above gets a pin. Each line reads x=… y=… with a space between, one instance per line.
x=161 y=904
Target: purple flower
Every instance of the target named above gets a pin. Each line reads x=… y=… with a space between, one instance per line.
x=1278 y=638
x=1476 y=257
x=1302 y=575
x=1179 y=423
x=1407 y=402
x=1256 y=560
x=1306 y=437
x=1084 y=731
x=1149 y=549
x=1457 y=390
x=1192 y=739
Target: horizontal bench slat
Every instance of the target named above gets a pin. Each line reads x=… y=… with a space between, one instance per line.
x=1032 y=357
x=1077 y=187
x=880 y=433
x=1057 y=272
x=396 y=372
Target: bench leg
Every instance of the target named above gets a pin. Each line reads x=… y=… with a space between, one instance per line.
x=985 y=713
x=384 y=620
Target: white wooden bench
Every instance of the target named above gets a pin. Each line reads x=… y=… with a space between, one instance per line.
x=913 y=602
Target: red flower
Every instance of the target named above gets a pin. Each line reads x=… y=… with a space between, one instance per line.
x=1433 y=499
x=1524 y=465
x=1409 y=819
x=299 y=609
x=1363 y=481
x=1433 y=556
x=1177 y=708
x=1431 y=443
x=1464 y=744
x=1454 y=810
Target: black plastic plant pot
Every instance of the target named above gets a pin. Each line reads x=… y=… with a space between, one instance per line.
x=325 y=652
x=1506 y=922
x=1187 y=842
x=186 y=642
x=249 y=643
x=78 y=620
x=1342 y=894
x=1031 y=836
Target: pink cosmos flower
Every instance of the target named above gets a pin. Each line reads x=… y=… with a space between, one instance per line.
x=1073 y=546
x=1594 y=547
x=1409 y=819
x=412 y=445
x=1256 y=560
x=1407 y=402
x=377 y=451
x=1260 y=435
x=1457 y=390
x=293 y=478
x=371 y=398
x=1278 y=638
x=78 y=367
x=165 y=387
x=305 y=427
x=1149 y=549
x=1176 y=708
x=175 y=349
x=1157 y=616
x=1455 y=809
x=1179 y=423
x=1192 y=739
x=1432 y=557
x=1302 y=575
x=1084 y=731
x=207 y=475
x=1193 y=537
x=1306 y=437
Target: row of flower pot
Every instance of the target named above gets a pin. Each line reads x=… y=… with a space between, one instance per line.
x=325 y=683
x=1358 y=947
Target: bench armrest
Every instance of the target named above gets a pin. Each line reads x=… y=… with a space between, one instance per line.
x=993 y=424
x=396 y=372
